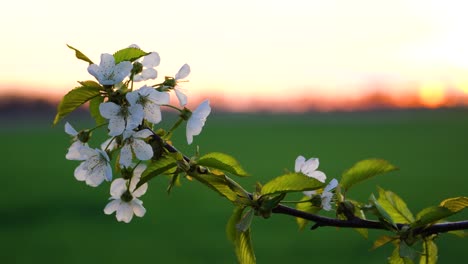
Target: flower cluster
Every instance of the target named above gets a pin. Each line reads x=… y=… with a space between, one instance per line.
x=309 y=168
x=131 y=115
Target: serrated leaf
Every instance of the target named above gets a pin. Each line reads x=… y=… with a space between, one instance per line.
x=94 y=110
x=165 y=164
x=291 y=182
x=222 y=162
x=128 y=54
x=364 y=170
x=455 y=204
x=382 y=212
x=381 y=241
x=74 y=99
x=307 y=207
x=216 y=182
x=431 y=215
x=231 y=230
x=80 y=55
x=429 y=255
x=244 y=249
x=395 y=207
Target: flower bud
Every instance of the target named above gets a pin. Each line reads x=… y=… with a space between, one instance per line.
x=169 y=82
x=137 y=68
x=127 y=173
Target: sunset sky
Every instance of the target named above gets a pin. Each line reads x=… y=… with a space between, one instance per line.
x=250 y=51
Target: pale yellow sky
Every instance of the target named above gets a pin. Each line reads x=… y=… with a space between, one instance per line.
x=244 y=47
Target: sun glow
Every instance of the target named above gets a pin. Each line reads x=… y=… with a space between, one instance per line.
x=432 y=94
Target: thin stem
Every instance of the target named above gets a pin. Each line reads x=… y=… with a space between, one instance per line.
x=174 y=127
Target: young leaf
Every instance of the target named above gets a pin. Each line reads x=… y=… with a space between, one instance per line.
x=128 y=54
x=383 y=240
x=305 y=207
x=364 y=170
x=429 y=255
x=291 y=182
x=455 y=204
x=80 y=55
x=244 y=223
x=231 y=229
x=216 y=182
x=431 y=215
x=381 y=211
x=94 y=110
x=74 y=99
x=155 y=168
x=395 y=207
x=407 y=252
x=244 y=249
x=222 y=162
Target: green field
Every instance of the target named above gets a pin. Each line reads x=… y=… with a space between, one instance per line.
x=47 y=216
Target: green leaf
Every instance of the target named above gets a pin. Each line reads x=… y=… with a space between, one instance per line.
x=396 y=259
x=455 y=204
x=74 y=99
x=163 y=165
x=407 y=252
x=458 y=233
x=128 y=54
x=244 y=249
x=381 y=211
x=429 y=255
x=395 y=207
x=80 y=55
x=383 y=240
x=245 y=222
x=291 y=182
x=94 y=110
x=307 y=207
x=222 y=162
x=231 y=229
x=364 y=170
x=216 y=182
x=430 y=215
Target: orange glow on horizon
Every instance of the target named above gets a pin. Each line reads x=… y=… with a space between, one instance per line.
x=432 y=94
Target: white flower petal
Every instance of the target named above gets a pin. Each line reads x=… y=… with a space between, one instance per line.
x=332 y=185
x=141 y=190
x=143 y=150
x=326 y=201
x=110 y=144
x=160 y=98
x=118 y=187
x=146 y=74
x=112 y=206
x=197 y=120
x=138 y=208
x=81 y=172
x=70 y=130
x=126 y=156
x=320 y=176
x=309 y=193
x=145 y=133
x=124 y=213
x=151 y=60
x=152 y=113
x=310 y=166
x=109 y=110
x=74 y=152
x=121 y=71
x=183 y=72
x=135 y=116
x=203 y=110
x=181 y=96
x=132 y=97
x=116 y=126
x=138 y=171
x=299 y=163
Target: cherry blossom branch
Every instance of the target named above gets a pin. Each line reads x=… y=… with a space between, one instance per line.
x=352 y=221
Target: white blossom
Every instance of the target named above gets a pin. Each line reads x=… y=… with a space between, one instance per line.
x=74 y=150
x=134 y=144
x=309 y=168
x=95 y=168
x=150 y=100
x=197 y=120
x=121 y=117
x=109 y=145
x=124 y=200
x=326 y=195
x=183 y=72
x=148 y=72
x=107 y=72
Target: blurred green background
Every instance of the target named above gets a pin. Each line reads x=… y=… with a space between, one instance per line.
x=47 y=216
